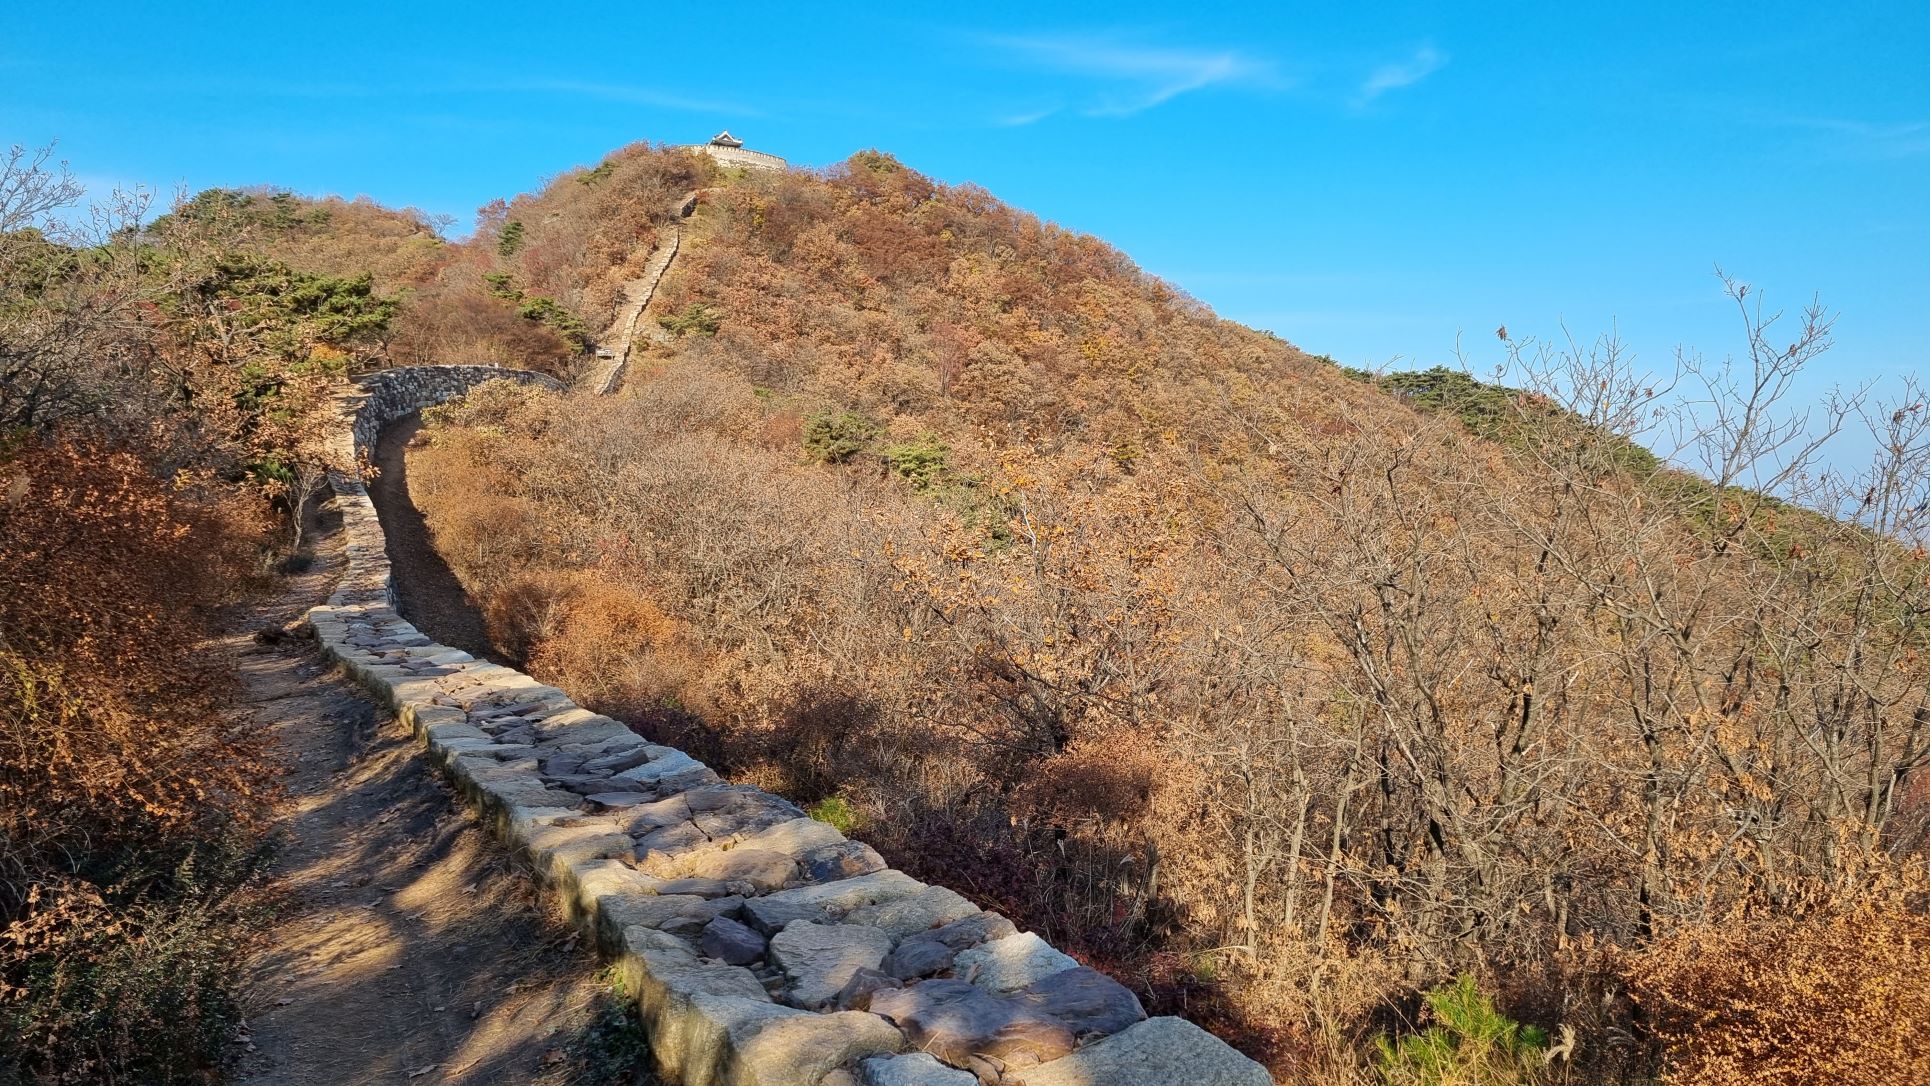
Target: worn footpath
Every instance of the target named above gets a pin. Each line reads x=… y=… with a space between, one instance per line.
x=408 y=949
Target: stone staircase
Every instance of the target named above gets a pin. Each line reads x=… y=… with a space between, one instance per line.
x=637 y=294
x=763 y=947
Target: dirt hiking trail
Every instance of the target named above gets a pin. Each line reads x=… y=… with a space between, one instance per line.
x=410 y=950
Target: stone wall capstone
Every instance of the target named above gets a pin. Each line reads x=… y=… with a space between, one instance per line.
x=763 y=947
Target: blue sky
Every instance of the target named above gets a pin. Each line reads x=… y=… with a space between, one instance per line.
x=1369 y=182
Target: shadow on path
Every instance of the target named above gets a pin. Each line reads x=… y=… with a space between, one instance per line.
x=410 y=948
x=427 y=591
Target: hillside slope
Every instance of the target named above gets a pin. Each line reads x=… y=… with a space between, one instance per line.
x=1395 y=727
x=1284 y=693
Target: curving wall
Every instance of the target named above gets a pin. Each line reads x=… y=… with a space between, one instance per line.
x=764 y=948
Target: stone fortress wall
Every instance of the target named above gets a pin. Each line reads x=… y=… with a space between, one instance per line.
x=386 y=395
x=762 y=946
x=741 y=156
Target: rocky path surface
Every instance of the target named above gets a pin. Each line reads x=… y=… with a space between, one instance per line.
x=409 y=949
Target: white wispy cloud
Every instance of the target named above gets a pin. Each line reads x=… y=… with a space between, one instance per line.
x=1905 y=139
x=1133 y=78
x=634 y=95
x=1032 y=116
x=1391 y=77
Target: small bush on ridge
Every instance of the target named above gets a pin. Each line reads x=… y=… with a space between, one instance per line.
x=1467 y=1043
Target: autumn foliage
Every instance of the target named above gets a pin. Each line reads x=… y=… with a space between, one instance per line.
x=1830 y=988
x=113 y=731
x=156 y=391
x=1312 y=703
x=544 y=273
x=128 y=784
x=1283 y=693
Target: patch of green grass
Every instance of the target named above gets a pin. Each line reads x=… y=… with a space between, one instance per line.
x=839 y=814
x=1467 y=1043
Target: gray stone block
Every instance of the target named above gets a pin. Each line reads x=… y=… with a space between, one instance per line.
x=1089 y=1002
x=918 y=957
x=772 y=912
x=612 y=801
x=801 y=1050
x=676 y=914
x=911 y=1069
x=595 y=879
x=729 y=941
x=706 y=887
x=654 y=771
x=1013 y=962
x=820 y=959
x=739 y=818
x=838 y=860
x=760 y=867
x=955 y=1021
x=972 y=930
x=793 y=836
x=922 y=911
x=1156 y=1052
x=620 y=761
x=557 y=848
x=857 y=992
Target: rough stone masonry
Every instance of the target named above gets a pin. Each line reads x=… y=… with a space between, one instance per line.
x=764 y=948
